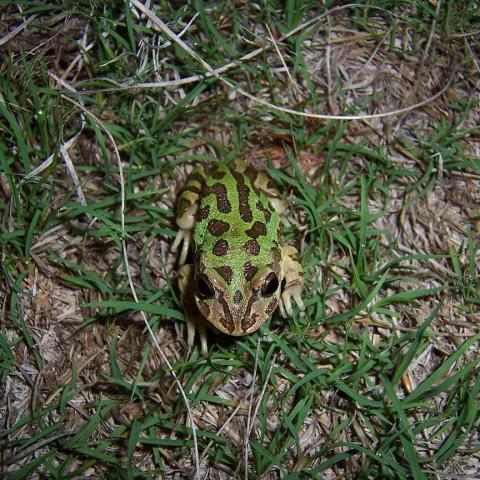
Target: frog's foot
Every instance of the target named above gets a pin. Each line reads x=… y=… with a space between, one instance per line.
x=293 y=276
x=185 y=236
x=292 y=292
x=192 y=326
x=195 y=320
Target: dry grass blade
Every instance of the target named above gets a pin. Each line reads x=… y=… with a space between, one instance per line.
x=173 y=36
x=225 y=68
x=132 y=287
x=220 y=431
x=413 y=93
x=33 y=448
x=73 y=174
x=280 y=56
x=63 y=151
x=11 y=35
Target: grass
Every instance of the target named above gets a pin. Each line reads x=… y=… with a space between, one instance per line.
x=379 y=379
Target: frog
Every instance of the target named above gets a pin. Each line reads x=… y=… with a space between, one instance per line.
x=229 y=216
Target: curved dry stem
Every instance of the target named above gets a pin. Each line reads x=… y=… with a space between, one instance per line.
x=215 y=73
x=130 y=281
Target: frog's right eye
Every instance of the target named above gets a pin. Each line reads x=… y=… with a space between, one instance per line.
x=203 y=287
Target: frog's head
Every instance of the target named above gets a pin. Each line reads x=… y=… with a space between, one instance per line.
x=237 y=297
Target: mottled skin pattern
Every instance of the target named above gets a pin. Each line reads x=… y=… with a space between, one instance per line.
x=232 y=217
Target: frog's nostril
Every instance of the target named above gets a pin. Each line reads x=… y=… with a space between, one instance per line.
x=238 y=297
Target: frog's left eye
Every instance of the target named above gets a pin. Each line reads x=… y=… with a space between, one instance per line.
x=203 y=287
x=270 y=285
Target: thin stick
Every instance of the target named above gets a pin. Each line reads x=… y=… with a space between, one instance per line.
x=130 y=280
x=279 y=53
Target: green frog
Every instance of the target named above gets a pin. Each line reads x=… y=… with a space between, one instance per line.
x=230 y=216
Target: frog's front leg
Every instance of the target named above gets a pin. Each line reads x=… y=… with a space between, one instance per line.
x=195 y=319
x=292 y=273
x=187 y=210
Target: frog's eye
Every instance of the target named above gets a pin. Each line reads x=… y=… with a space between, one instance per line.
x=270 y=285
x=203 y=287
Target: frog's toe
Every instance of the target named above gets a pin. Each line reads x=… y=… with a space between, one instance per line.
x=287 y=304
x=184 y=236
x=195 y=324
x=178 y=240
x=298 y=300
x=293 y=292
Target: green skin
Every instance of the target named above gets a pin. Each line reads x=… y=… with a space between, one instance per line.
x=232 y=215
x=246 y=248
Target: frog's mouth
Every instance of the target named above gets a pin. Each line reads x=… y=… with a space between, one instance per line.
x=233 y=320
x=237 y=331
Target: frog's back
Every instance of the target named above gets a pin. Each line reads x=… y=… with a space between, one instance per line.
x=235 y=221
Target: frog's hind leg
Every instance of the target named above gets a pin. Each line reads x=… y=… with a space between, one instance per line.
x=187 y=207
x=262 y=182
x=195 y=320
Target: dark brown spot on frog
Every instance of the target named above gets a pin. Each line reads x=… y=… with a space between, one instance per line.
x=203 y=212
x=267 y=213
x=271 y=306
x=226 y=321
x=218 y=174
x=251 y=174
x=220 y=248
x=257 y=229
x=196 y=177
x=193 y=189
x=243 y=192
x=217 y=227
x=220 y=192
x=249 y=320
x=252 y=247
x=249 y=270
x=249 y=306
x=226 y=273
x=272 y=186
x=182 y=206
x=238 y=297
